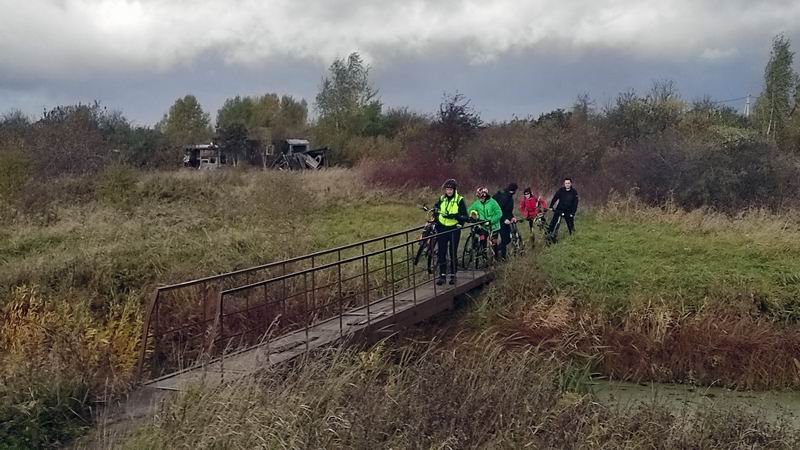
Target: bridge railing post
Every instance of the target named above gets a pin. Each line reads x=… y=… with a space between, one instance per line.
x=414 y=280
x=408 y=262
x=148 y=321
x=340 y=296
x=313 y=289
x=306 y=317
x=221 y=327
x=157 y=341
x=435 y=269
x=385 y=263
x=366 y=285
x=394 y=305
x=283 y=290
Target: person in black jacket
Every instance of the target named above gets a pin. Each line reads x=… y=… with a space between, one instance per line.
x=451 y=213
x=567 y=198
x=506 y=201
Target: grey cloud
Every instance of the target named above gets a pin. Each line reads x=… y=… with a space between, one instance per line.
x=79 y=36
x=512 y=57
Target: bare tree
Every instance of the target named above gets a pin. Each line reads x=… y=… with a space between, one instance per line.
x=456 y=123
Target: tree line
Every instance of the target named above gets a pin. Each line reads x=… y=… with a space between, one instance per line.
x=666 y=148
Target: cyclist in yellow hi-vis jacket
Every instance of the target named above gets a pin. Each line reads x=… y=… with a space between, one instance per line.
x=451 y=213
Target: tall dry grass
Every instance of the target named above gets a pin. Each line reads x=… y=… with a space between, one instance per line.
x=748 y=219
x=627 y=309
x=469 y=394
x=73 y=287
x=59 y=358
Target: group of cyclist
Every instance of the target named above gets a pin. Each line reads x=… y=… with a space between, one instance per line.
x=451 y=212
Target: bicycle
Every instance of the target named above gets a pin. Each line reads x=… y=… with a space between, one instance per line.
x=538 y=224
x=478 y=252
x=517 y=244
x=427 y=245
x=552 y=238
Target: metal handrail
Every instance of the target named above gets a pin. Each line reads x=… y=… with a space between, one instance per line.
x=216 y=325
x=156 y=301
x=343 y=261
x=286 y=261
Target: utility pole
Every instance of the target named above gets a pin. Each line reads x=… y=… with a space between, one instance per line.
x=747 y=107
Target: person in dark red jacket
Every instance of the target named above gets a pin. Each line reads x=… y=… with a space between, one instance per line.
x=531 y=206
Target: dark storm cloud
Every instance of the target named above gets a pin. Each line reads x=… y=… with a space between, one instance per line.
x=512 y=57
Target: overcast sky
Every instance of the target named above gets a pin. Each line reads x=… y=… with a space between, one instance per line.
x=511 y=57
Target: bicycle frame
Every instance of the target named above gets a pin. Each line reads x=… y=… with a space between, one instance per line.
x=427 y=246
x=517 y=244
x=540 y=221
x=552 y=238
x=478 y=246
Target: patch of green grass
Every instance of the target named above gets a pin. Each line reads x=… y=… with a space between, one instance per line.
x=34 y=242
x=611 y=260
x=189 y=225
x=356 y=222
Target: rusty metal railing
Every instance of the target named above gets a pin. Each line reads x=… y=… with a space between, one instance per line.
x=226 y=313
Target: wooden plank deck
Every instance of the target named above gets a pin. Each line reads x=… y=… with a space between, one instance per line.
x=385 y=315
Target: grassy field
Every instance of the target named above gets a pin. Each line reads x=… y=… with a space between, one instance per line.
x=685 y=258
x=638 y=294
x=644 y=294
x=165 y=227
x=662 y=295
x=76 y=275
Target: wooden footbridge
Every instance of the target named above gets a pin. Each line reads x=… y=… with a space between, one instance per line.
x=224 y=327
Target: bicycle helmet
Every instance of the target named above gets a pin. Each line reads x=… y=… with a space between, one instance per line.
x=482 y=192
x=450 y=183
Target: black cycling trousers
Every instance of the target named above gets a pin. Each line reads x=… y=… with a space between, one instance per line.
x=570 y=220
x=447 y=248
x=505 y=239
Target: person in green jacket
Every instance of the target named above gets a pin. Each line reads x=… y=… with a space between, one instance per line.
x=487 y=208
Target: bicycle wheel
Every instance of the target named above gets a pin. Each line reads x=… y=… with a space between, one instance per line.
x=432 y=253
x=485 y=256
x=420 y=251
x=519 y=244
x=468 y=253
x=553 y=237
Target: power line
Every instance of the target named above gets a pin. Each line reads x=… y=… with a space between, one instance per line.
x=732 y=100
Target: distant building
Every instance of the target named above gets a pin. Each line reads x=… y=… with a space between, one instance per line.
x=286 y=154
x=204 y=156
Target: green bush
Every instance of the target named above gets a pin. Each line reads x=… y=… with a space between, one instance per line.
x=116 y=185
x=48 y=413
x=15 y=171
